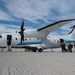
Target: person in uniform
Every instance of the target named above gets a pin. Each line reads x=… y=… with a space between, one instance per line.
x=70 y=46
x=74 y=46
x=63 y=47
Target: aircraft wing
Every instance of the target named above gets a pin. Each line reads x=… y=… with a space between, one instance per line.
x=49 y=28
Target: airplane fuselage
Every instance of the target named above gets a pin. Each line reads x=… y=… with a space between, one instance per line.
x=49 y=42
x=15 y=41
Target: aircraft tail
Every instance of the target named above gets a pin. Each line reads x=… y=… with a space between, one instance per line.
x=72 y=33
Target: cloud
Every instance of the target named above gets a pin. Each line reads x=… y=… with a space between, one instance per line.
x=4 y=28
x=46 y=10
x=39 y=12
x=28 y=9
x=4 y=16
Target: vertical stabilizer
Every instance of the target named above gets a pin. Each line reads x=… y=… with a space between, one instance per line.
x=72 y=33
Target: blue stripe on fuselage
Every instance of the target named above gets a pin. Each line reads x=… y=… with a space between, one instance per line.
x=67 y=41
x=29 y=43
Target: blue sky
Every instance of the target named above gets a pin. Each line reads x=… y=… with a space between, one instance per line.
x=36 y=14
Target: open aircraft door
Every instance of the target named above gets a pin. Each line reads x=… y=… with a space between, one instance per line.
x=9 y=41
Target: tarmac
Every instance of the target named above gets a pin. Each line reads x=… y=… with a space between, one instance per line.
x=30 y=63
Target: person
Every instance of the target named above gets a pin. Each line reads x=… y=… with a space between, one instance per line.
x=63 y=47
x=74 y=46
x=70 y=46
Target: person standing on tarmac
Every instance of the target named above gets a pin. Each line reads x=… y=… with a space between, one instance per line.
x=74 y=46
x=70 y=46
x=63 y=47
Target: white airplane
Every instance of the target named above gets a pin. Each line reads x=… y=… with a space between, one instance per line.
x=36 y=39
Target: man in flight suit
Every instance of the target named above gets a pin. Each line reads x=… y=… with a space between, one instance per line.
x=63 y=47
x=70 y=46
x=74 y=46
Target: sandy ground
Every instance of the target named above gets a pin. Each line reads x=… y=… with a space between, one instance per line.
x=29 y=63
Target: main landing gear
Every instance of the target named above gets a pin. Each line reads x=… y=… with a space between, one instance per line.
x=39 y=50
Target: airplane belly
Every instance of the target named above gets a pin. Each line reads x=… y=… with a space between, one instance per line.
x=51 y=44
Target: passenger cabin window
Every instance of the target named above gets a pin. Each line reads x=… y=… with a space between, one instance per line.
x=25 y=39
x=16 y=38
x=0 y=36
x=34 y=39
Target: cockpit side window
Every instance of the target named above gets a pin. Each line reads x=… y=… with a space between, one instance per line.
x=0 y=36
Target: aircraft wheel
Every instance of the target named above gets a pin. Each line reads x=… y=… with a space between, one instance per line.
x=34 y=50
x=40 y=50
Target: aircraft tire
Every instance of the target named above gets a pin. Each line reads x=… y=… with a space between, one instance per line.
x=40 y=50
x=34 y=50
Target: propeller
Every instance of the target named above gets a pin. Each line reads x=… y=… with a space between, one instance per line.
x=73 y=27
x=22 y=31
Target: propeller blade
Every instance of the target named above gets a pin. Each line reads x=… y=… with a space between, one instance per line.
x=22 y=31
x=22 y=26
x=22 y=38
